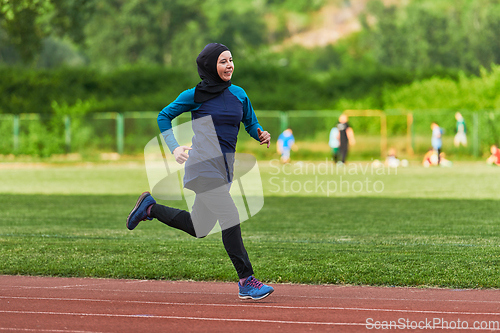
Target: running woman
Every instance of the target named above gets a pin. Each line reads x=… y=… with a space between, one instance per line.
x=215 y=104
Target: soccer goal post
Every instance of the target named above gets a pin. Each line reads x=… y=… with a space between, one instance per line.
x=383 y=127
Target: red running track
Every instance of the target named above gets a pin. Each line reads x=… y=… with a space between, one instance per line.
x=45 y=304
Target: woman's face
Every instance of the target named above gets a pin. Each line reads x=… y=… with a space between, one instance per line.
x=225 y=66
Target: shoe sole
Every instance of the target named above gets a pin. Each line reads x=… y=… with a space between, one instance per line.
x=255 y=298
x=137 y=204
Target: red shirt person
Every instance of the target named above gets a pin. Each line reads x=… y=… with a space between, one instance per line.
x=495 y=156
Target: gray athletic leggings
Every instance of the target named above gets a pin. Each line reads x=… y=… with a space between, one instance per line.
x=212 y=203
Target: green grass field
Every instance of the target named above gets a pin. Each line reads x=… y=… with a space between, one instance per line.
x=413 y=227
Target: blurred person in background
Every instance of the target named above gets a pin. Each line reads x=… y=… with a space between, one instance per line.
x=443 y=161
x=430 y=158
x=334 y=143
x=286 y=143
x=436 y=140
x=494 y=158
x=220 y=107
x=392 y=161
x=345 y=137
x=461 y=136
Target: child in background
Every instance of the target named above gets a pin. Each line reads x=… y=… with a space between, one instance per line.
x=334 y=143
x=430 y=158
x=461 y=136
x=437 y=141
x=345 y=136
x=392 y=161
x=286 y=142
x=494 y=159
x=443 y=162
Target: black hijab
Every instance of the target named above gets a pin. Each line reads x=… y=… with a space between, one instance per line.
x=211 y=85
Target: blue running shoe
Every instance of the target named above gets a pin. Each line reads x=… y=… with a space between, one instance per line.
x=139 y=213
x=254 y=289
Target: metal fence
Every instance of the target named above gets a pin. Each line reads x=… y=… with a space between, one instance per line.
x=311 y=125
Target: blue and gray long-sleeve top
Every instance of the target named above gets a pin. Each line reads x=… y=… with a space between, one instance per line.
x=215 y=137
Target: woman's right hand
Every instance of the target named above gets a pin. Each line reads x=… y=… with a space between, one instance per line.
x=180 y=154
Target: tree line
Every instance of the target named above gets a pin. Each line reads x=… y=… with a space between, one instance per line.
x=106 y=34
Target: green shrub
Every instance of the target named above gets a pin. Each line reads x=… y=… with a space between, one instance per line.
x=433 y=95
x=129 y=89
x=466 y=93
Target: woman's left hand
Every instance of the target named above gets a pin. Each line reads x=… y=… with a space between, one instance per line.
x=264 y=137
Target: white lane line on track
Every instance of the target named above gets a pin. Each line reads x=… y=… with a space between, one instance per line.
x=87 y=285
x=181 y=318
x=254 y=305
x=41 y=330
x=266 y=321
x=274 y=295
x=76 y=286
